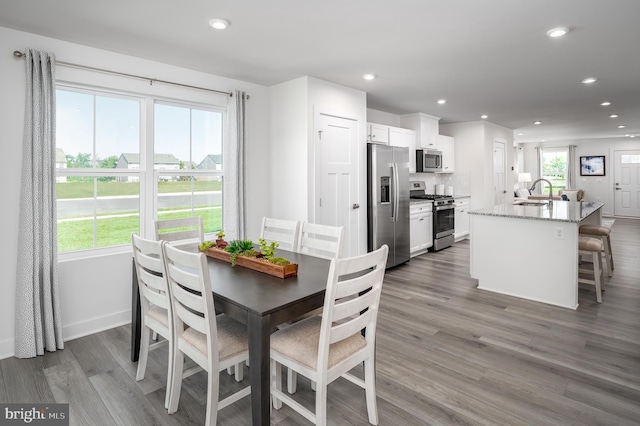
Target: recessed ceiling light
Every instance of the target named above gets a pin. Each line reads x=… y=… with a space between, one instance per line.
x=542 y=140
x=442 y=101
x=622 y=126
x=537 y=122
x=484 y=116
x=632 y=136
x=606 y=103
x=369 y=76
x=614 y=116
x=520 y=134
x=218 y=24
x=627 y=135
x=589 y=80
x=557 y=32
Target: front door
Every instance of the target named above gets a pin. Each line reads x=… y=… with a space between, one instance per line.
x=627 y=183
x=336 y=162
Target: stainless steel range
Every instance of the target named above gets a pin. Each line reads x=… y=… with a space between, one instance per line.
x=443 y=215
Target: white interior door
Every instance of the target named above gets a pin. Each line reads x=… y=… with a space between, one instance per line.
x=627 y=183
x=336 y=163
x=499 y=161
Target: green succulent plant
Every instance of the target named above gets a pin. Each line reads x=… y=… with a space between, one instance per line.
x=206 y=245
x=239 y=248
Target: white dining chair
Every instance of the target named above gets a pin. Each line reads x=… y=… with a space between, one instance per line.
x=182 y=231
x=155 y=306
x=320 y=240
x=213 y=342
x=327 y=347
x=284 y=232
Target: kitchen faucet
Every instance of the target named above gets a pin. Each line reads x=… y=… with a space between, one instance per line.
x=533 y=186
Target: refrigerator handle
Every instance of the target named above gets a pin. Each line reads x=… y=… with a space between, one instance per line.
x=396 y=193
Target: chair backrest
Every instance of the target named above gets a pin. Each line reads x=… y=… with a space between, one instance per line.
x=192 y=299
x=284 y=232
x=321 y=240
x=351 y=300
x=572 y=194
x=150 y=270
x=180 y=231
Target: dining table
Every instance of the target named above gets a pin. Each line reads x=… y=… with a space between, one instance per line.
x=260 y=301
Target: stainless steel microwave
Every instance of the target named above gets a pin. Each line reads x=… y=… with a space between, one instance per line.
x=428 y=161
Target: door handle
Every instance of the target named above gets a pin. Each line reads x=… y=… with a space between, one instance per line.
x=355 y=206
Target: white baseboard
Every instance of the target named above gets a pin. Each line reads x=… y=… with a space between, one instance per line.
x=96 y=325
x=6 y=348
x=77 y=330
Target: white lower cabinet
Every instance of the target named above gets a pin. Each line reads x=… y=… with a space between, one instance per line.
x=461 y=219
x=421 y=226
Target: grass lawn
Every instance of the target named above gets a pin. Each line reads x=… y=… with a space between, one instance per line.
x=112 y=231
x=70 y=190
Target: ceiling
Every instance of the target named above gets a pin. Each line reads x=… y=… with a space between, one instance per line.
x=484 y=57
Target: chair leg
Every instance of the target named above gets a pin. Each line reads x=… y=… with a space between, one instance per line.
x=608 y=254
x=230 y=370
x=144 y=352
x=292 y=381
x=176 y=381
x=167 y=396
x=154 y=336
x=370 y=390
x=213 y=390
x=321 y=405
x=276 y=382
x=598 y=274
x=239 y=372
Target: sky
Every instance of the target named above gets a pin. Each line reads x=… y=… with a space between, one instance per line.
x=117 y=127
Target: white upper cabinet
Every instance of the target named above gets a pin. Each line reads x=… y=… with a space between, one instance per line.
x=445 y=144
x=406 y=138
x=377 y=133
x=425 y=126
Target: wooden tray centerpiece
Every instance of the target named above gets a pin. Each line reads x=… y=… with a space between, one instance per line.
x=243 y=253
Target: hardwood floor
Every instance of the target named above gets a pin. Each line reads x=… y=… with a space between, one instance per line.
x=447 y=353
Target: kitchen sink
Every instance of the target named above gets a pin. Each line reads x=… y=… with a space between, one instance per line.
x=535 y=203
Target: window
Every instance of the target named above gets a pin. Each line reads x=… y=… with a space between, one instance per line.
x=114 y=179
x=188 y=163
x=554 y=168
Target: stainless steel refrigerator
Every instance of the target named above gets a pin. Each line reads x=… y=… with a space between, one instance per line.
x=388 y=201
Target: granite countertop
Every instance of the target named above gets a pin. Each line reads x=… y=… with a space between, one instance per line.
x=562 y=211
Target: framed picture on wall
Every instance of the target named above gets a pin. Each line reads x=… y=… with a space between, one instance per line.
x=592 y=165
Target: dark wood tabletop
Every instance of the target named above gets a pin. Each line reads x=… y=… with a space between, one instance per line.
x=262 y=302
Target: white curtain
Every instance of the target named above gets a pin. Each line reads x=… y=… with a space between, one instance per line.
x=539 y=167
x=38 y=322
x=571 y=167
x=234 y=160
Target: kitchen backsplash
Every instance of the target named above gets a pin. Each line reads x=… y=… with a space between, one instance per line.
x=461 y=182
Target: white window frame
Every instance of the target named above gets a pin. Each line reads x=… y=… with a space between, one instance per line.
x=147 y=180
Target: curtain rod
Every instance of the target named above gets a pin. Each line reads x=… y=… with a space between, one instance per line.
x=19 y=54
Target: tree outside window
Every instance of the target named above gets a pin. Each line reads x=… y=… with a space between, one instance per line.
x=555 y=168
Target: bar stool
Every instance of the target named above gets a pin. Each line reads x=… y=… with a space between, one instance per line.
x=603 y=233
x=593 y=246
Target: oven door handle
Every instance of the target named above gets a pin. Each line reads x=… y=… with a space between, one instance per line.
x=446 y=207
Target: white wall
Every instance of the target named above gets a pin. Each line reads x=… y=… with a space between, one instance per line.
x=381 y=117
x=294 y=105
x=474 y=157
x=289 y=131
x=596 y=188
x=95 y=292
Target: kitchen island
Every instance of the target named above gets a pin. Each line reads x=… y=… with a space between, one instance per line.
x=530 y=251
